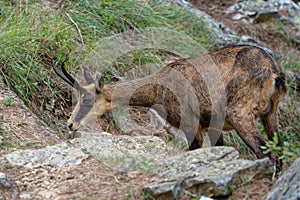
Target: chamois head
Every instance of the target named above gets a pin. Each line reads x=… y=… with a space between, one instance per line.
x=90 y=100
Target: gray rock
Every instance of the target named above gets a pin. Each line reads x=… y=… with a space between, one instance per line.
x=1 y=140
x=2 y=175
x=128 y=165
x=239 y=16
x=142 y=149
x=62 y=154
x=288 y=184
x=207 y=171
x=98 y=145
x=250 y=13
x=4 y=182
x=233 y=8
x=261 y=11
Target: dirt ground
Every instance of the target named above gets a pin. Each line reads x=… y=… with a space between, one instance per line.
x=89 y=180
x=23 y=130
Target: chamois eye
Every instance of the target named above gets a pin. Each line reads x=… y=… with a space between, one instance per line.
x=88 y=100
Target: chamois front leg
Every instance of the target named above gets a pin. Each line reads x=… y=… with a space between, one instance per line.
x=270 y=123
x=244 y=123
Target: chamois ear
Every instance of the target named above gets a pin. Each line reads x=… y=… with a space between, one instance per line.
x=99 y=82
x=87 y=76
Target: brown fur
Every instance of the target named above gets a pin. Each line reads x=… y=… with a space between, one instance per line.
x=241 y=83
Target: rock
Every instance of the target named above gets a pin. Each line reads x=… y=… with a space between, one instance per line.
x=288 y=184
x=58 y=155
x=4 y=182
x=250 y=13
x=2 y=175
x=98 y=145
x=1 y=140
x=128 y=165
x=233 y=8
x=205 y=198
x=208 y=172
x=102 y=146
x=261 y=11
x=239 y=16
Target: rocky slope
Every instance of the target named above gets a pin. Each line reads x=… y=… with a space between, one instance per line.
x=98 y=165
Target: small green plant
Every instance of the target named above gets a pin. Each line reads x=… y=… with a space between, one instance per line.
x=288 y=152
x=7 y=166
x=230 y=188
x=147 y=196
x=9 y=101
x=29 y=144
x=5 y=143
x=146 y=164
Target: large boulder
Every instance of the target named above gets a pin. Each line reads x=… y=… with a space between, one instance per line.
x=288 y=184
x=213 y=171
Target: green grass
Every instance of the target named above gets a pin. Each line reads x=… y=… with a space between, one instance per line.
x=5 y=139
x=8 y=101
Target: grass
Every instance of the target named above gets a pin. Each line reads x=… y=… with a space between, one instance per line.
x=9 y=101
x=5 y=142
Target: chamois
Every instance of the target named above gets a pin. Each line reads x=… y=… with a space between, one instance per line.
x=223 y=90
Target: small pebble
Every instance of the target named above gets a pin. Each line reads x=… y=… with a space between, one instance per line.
x=2 y=175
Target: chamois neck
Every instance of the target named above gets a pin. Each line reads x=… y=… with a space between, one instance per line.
x=138 y=92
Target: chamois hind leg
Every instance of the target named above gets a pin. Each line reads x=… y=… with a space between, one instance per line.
x=270 y=123
x=215 y=137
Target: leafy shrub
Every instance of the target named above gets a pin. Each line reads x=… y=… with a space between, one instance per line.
x=287 y=153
